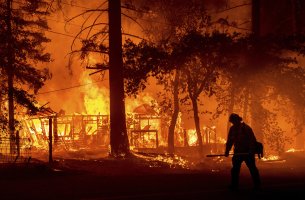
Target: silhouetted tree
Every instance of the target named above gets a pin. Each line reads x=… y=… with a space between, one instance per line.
x=203 y=56
x=118 y=133
x=262 y=56
x=178 y=17
x=22 y=38
x=95 y=42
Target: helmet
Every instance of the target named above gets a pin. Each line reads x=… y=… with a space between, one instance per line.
x=235 y=118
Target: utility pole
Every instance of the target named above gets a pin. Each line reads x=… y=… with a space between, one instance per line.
x=50 y=141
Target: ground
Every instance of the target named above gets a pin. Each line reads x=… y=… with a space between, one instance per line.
x=149 y=176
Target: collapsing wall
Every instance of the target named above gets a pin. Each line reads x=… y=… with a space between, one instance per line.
x=76 y=130
x=89 y=130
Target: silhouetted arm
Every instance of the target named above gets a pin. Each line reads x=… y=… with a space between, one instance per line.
x=230 y=141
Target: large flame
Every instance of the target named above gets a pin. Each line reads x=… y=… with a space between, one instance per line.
x=96 y=99
x=192 y=137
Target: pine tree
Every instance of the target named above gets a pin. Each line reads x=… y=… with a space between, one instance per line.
x=22 y=38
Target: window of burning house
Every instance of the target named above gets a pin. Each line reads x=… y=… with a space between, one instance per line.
x=144 y=130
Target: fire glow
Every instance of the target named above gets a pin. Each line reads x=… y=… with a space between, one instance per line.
x=143 y=122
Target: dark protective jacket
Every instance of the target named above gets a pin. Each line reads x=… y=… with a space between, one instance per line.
x=242 y=138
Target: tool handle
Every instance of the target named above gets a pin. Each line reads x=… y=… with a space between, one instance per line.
x=216 y=155
x=231 y=154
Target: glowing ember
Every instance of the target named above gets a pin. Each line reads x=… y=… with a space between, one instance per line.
x=294 y=150
x=174 y=162
x=270 y=158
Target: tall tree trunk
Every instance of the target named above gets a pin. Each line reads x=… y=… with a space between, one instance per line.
x=171 y=129
x=11 y=118
x=297 y=7
x=231 y=104
x=256 y=104
x=299 y=126
x=10 y=77
x=246 y=105
x=118 y=133
x=257 y=117
x=294 y=16
x=197 y=123
x=256 y=18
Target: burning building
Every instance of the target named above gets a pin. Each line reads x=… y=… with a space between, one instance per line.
x=145 y=127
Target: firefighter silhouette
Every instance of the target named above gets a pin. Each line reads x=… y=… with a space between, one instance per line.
x=243 y=139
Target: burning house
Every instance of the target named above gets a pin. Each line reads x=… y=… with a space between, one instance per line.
x=80 y=131
x=68 y=130
x=144 y=127
x=146 y=130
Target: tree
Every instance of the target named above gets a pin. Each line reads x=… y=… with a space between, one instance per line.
x=273 y=30
x=191 y=50
x=22 y=37
x=147 y=59
x=262 y=55
x=287 y=22
x=203 y=56
x=95 y=43
x=118 y=133
x=196 y=60
x=173 y=122
x=178 y=18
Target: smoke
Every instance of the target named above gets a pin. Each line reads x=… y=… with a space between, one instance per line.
x=69 y=87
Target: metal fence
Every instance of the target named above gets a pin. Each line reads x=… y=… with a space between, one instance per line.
x=15 y=151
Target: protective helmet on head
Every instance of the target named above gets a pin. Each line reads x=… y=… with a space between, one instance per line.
x=235 y=118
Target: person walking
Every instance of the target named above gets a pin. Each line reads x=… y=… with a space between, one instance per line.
x=243 y=139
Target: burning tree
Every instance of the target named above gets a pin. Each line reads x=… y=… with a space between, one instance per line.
x=21 y=43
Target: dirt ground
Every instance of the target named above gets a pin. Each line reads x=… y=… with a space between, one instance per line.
x=150 y=176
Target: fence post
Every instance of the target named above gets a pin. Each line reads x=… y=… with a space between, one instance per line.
x=18 y=143
x=185 y=138
x=50 y=141
x=55 y=129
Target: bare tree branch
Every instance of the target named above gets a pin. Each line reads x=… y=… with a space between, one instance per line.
x=85 y=12
x=80 y=32
x=82 y=29
x=80 y=51
x=100 y=68
x=94 y=23
x=135 y=36
x=103 y=34
x=96 y=72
